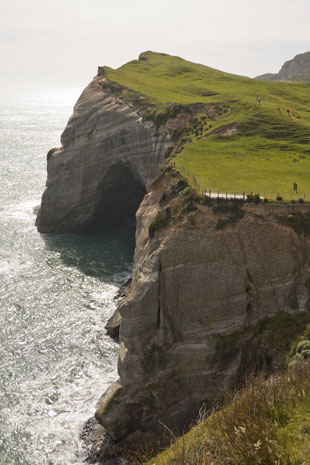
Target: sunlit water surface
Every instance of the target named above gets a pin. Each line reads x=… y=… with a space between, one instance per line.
x=56 y=293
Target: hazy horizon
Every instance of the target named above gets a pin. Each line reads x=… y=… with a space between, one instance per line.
x=56 y=43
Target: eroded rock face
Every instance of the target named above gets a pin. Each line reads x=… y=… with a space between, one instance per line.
x=107 y=161
x=297 y=69
x=192 y=323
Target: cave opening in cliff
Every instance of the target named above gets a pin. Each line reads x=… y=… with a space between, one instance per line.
x=121 y=194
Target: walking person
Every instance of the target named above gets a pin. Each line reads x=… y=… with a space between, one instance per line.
x=288 y=112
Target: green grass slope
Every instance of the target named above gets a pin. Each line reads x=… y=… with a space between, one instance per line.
x=267 y=423
x=267 y=153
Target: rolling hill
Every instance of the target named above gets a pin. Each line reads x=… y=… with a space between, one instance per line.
x=241 y=146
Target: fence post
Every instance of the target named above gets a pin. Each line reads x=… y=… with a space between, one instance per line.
x=243 y=195
x=210 y=194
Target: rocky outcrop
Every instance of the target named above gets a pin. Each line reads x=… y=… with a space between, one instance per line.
x=297 y=69
x=218 y=291
x=107 y=162
x=113 y=147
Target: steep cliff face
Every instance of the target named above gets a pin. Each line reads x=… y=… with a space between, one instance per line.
x=297 y=69
x=219 y=289
x=107 y=161
x=205 y=308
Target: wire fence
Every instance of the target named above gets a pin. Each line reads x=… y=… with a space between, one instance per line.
x=276 y=195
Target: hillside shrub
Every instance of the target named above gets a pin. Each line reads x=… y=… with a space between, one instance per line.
x=206 y=200
x=266 y=423
x=298 y=221
x=250 y=198
x=160 y=220
x=184 y=191
x=176 y=134
x=160 y=118
x=232 y=207
x=189 y=206
x=302 y=346
x=179 y=186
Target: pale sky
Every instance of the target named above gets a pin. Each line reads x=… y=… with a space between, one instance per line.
x=61 y=42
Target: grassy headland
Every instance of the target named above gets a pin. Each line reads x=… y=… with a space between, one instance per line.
x=262 y=151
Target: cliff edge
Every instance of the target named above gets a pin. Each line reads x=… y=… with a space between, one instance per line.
x=107 y=162
x=214 y=287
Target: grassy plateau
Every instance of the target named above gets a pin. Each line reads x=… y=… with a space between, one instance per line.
x=267 y=151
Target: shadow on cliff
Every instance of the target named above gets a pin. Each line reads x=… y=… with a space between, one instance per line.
x=106 y=254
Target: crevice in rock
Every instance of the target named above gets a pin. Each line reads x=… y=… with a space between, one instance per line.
x=159 y=297
x=121 y=193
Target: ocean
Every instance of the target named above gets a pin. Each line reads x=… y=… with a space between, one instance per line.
x=56 y=293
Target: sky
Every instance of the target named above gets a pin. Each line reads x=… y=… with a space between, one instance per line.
x=62 y=42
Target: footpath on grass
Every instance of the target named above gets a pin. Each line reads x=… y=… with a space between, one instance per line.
x=287 y=197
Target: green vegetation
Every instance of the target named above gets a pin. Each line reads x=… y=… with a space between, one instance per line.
x=160 y=220
x=301 y=347
x=262 y=151
x=161 y=117
x=267 y=423
x=298 y=221
x=228 y=206
x=176 y=202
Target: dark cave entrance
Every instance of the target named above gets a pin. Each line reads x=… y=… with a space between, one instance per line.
x=121 y=194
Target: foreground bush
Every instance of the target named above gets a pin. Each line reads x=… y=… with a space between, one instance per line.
x=267 y=423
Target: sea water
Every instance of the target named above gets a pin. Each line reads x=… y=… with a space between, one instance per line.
x=56 y=293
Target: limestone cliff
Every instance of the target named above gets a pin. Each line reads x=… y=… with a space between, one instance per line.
x=107 y=161
x=209 y=292
x=297 y=69
x=218 y=289
x=113 y=147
